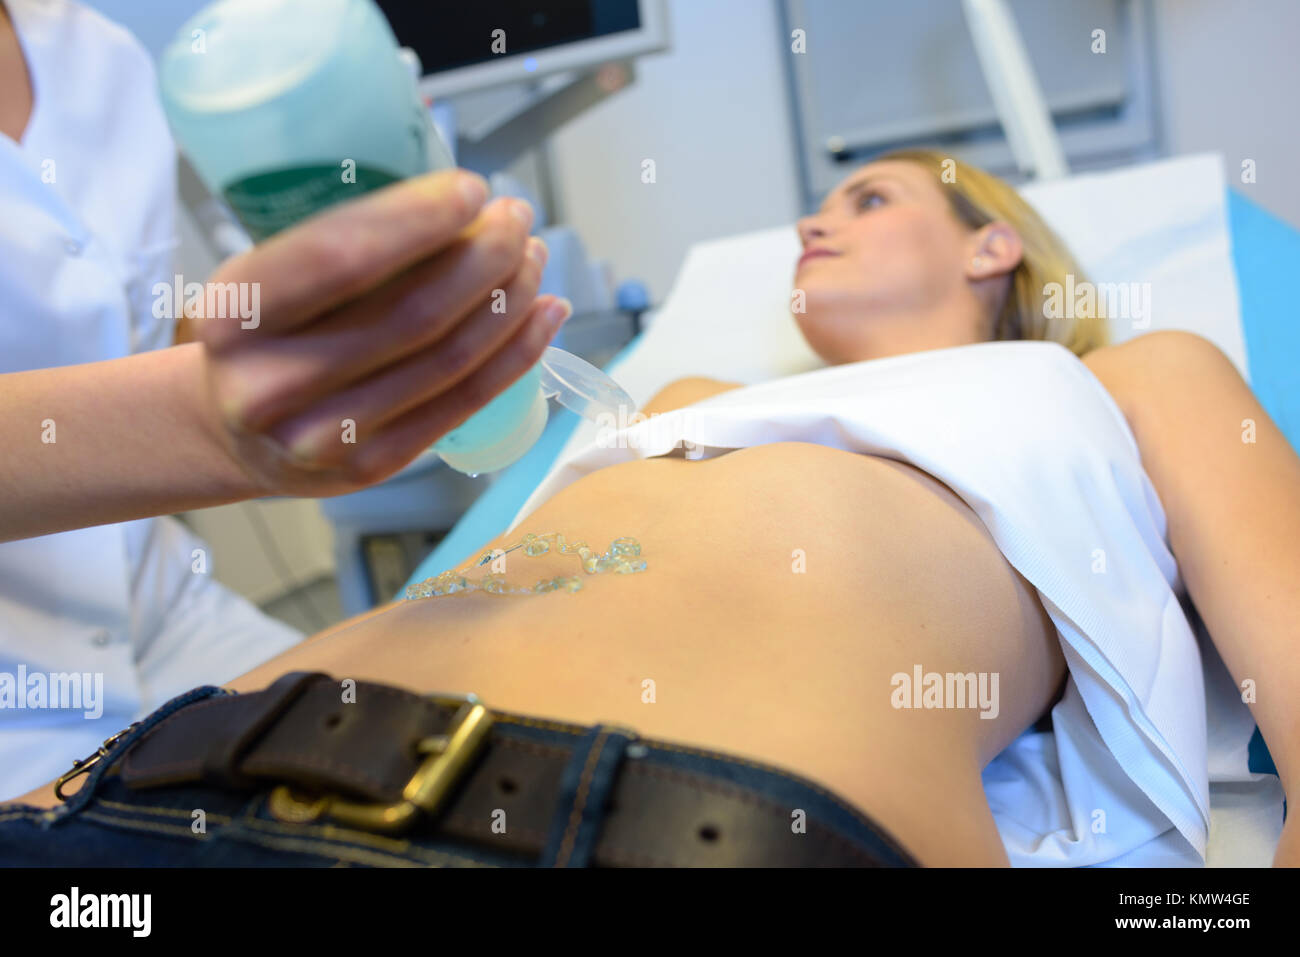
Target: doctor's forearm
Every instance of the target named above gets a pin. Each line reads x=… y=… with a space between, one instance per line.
x=109 y=442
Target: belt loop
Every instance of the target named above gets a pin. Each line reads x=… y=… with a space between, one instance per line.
x=221 y=758
x=585 y=788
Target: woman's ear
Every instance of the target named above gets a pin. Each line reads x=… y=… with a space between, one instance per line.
x=996 y=250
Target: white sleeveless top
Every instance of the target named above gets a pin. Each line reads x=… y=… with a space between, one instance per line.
x=1034 y=444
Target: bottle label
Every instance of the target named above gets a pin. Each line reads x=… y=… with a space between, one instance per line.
x=269 y=202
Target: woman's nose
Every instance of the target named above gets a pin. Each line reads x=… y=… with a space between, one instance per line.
x=809 y=229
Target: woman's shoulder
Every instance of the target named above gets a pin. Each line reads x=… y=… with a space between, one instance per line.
x=1155 y=367
x=686 y=391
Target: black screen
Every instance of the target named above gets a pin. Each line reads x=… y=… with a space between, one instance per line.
x=447 y=36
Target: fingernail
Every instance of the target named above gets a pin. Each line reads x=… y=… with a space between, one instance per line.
x=307 y=448
x=474 y=188
x=537 y=251
x=522 y=211
x=232 y=411
x=559 y=310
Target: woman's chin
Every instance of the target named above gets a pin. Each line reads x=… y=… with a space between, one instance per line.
x=828 y=348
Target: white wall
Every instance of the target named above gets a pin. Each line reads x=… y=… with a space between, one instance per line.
x=712 y=113
x=1229 y=77
x=264 y=549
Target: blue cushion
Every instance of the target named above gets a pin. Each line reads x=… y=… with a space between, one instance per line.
x=1266 y=254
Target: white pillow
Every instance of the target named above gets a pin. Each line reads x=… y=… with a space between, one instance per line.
x=1165 y=224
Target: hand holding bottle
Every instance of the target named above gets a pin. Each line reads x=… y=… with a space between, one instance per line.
x=379 y=329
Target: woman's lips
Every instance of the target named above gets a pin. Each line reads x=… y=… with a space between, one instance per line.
x=813 y=254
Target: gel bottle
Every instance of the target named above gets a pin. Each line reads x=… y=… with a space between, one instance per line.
x=285 y=107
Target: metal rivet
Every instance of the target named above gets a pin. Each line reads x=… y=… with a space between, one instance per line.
x=637 y=751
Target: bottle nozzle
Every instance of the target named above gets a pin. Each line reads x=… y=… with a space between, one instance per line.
x=582 y=388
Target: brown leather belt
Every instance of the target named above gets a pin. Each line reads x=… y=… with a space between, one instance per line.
x=378 y=758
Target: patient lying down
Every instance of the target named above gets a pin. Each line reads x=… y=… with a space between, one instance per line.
x=805 y=606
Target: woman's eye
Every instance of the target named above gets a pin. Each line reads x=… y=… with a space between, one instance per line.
x=865 y=200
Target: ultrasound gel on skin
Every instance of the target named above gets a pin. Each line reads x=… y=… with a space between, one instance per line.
x=285 y=107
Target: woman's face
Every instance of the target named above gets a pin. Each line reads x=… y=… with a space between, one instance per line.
x=899 y=271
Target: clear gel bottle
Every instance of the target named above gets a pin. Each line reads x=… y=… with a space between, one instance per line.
x=285 y=107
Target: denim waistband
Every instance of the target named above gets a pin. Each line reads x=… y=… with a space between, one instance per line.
x=106 y=823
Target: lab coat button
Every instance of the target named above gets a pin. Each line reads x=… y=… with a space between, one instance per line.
x=100 y=639
x=74 y=247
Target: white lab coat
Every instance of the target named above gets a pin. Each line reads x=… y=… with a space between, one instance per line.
x=87 y=201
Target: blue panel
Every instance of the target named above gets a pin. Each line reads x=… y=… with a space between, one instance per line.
x=1259 y=761
x=1266 y=254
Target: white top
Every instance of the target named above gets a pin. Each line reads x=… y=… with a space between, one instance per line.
x=88 y=200
x=1034 y=444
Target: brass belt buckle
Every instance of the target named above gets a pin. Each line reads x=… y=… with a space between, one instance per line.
x=449 y=755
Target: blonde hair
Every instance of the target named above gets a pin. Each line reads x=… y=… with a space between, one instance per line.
x=978 y=198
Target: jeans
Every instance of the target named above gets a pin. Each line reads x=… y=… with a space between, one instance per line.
x=106 y=823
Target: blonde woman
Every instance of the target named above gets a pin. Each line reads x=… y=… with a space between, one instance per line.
x=714 y=650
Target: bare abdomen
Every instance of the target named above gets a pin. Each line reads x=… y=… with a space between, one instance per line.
x=786 y=585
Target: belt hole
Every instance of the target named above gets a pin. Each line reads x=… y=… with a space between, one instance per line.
x=708 y=833
x=507 y=785
x=333 y=721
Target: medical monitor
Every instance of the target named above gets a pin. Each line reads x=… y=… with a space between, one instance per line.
x=539 y=37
